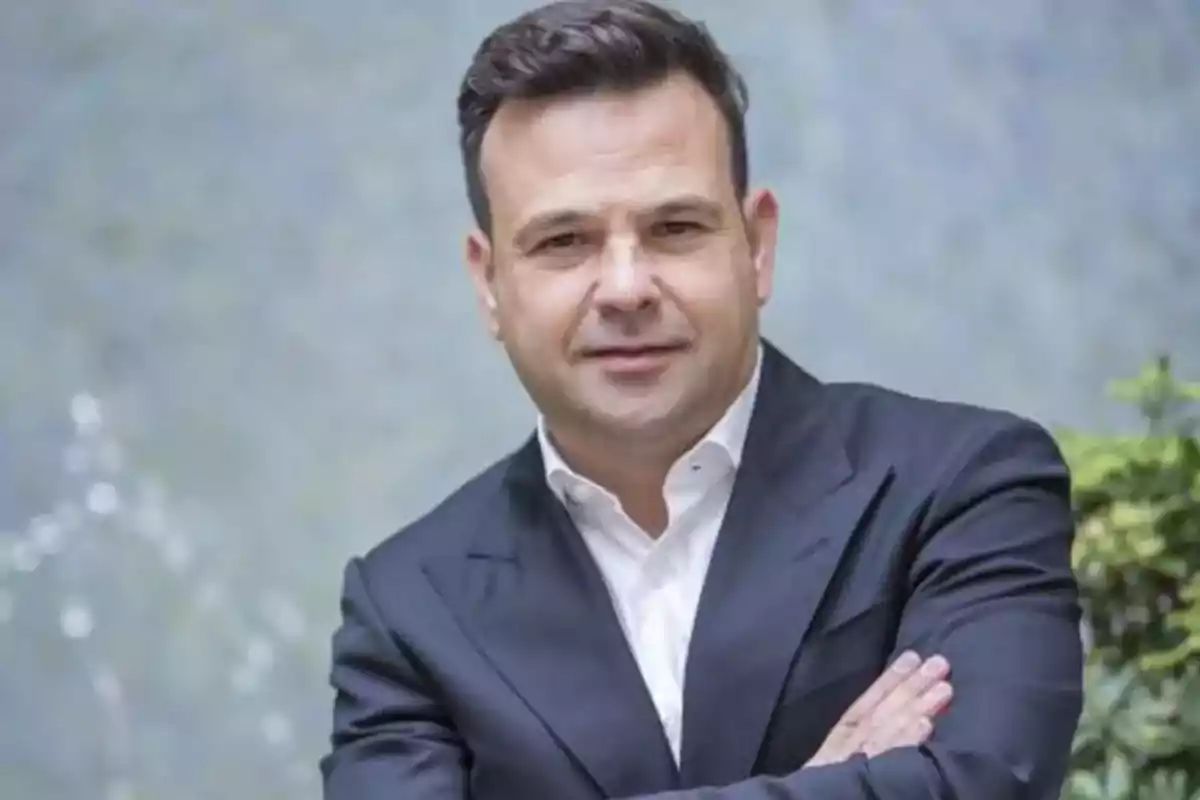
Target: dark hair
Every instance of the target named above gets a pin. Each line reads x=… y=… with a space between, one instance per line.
x=574 y=46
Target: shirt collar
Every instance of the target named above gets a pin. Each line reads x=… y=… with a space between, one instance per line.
x=728 y=434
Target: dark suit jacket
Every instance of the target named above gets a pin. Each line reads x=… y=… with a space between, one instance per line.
x=479 y=656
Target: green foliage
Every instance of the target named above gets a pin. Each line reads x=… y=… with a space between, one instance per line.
x=1138 y=560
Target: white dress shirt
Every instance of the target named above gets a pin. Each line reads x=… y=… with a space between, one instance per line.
x=655 y=583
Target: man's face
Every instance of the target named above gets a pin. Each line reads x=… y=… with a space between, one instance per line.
x=622 y=274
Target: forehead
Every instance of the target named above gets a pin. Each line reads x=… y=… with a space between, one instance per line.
x=605 y=150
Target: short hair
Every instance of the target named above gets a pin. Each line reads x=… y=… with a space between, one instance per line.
x=579 y=46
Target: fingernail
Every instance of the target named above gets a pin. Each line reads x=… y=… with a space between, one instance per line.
x=943 y=693
x=908 y=661
x=936 y=666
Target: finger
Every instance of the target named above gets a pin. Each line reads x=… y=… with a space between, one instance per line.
x=860 y=721
x=916 y=731
x=895 y=675
x=904 y=696
x=896 y=730
x=852 y=729
x=935 y=700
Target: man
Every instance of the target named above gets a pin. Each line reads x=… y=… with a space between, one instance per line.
x=707 y=575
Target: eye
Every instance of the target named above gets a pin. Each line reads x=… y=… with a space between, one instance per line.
x=676 y=227
x=561 y=241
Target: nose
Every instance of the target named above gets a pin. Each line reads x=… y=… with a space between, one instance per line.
x=627 y=283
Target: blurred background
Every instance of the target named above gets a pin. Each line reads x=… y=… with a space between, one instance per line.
x=237 y=342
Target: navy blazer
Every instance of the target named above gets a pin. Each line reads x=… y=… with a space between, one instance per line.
x=479 y=655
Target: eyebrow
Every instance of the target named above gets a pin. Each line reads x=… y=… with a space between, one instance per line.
x=688 y=204
x=685 y=204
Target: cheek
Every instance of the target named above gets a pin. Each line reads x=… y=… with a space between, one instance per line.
x=539 y=315
x=714 y=295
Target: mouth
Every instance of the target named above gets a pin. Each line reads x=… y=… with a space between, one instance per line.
x=633 y=351
x=634 y=360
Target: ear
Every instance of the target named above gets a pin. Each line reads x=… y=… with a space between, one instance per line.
x=761 y=211
x=480 y=264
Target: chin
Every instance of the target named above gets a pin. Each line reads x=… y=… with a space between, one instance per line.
x=643 y=419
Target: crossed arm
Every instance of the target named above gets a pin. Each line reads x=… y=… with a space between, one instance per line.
x=992 y=591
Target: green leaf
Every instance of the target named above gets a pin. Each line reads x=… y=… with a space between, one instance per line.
x=1118 y=783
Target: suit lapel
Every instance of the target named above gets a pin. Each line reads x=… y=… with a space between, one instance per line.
x=796 y=504
x=530 y=596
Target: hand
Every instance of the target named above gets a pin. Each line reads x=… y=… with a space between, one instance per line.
x=896 y=711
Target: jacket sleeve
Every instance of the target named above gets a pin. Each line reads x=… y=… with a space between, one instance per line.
x=993 y=591
x=391 y=737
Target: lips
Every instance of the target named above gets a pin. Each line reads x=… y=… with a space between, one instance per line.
x=633 y=351
x=634 y=363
